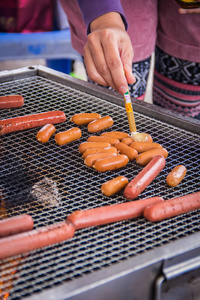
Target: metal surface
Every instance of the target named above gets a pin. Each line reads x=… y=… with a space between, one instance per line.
x=93 y=252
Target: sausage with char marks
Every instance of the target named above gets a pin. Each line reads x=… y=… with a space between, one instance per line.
x=110 y=164
x=11 y=101
x=31 y=121
x=144 y=178
x=35 y=239
x=172 y=207
x=110 y=213
x=15 y=225
x=100 y=124
x=84 y=118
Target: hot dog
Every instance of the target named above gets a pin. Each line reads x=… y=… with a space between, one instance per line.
x=141 y=137
x=127 y=141
x=144 y=146
x=110 y=164
x=124 y=149
x=110 y=213
x=84 y=118
x=90 y=159
x=68 y=136
x=100 y=124
x=145 y=177
x=11 y=101
x=45 y=133
x=15 y=225
x=172 y=207
x=31 y=121
x=109 y=139
x=176 y=175
x=99 y=150
x=89 y=145
x=114 y=185
x=34 y=239
x=116 y=134
x=145 y=157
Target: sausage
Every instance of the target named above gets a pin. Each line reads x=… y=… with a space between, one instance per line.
x=31 y=121
x=116 y=134
x=145 y=157
x=109 y=139
x=172 y=207
x=68 y=136
x=11 y=101
x=110 y=213
x=35 y=239
x=124 y=149
x=45 y=133
x=144 y=178
x=110 y=164
x=144 y=146
x=15 y=225
x=99 y=150
x=141 y=137
x=114 y=185
x=90 y=159
x=176 y=175
x=100 y=124
x=89 y=145
x=127 y=141
x=84 y=118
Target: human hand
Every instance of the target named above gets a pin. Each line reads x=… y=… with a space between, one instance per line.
x=108 y=53
x=190 y=11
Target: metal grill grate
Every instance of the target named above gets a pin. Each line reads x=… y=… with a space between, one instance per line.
x=24 y=162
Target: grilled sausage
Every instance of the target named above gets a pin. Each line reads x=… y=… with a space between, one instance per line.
x=11 y=101
x=89 y=145
x=90 y=159
x=124 y=149
x=110 y=213
x=114 y=185
x=35 y=239
x=176 y=175
x=145 y=157
x=141 y=137
x=172 y=207
x=15 y=225
x=84 y=118
x=100 y=124
x=144 y=178
x=127 y=141
x=31 y=121
x=110 y=164
x=144 y=146
x=68 y=136
x=109 y=139
x=99 y=150
x=116 y=134
x=45 y=133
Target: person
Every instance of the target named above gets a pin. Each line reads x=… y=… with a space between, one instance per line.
x=117 y=39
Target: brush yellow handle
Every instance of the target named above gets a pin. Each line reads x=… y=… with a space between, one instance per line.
x=129 y=112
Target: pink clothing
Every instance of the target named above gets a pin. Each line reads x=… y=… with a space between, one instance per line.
x=150 y=22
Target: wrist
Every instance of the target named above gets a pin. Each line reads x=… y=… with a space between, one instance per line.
x=108 y=20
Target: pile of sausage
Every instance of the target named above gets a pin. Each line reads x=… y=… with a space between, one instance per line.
x=106 y=152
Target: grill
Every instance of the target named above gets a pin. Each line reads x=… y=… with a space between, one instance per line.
x=115 y=260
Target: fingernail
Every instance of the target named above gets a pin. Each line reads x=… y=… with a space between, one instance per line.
x=123 y=89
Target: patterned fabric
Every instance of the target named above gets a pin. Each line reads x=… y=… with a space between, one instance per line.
x=141 y=73
x=176 y=84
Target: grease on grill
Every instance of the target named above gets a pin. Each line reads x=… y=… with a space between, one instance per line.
x=46 y=192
